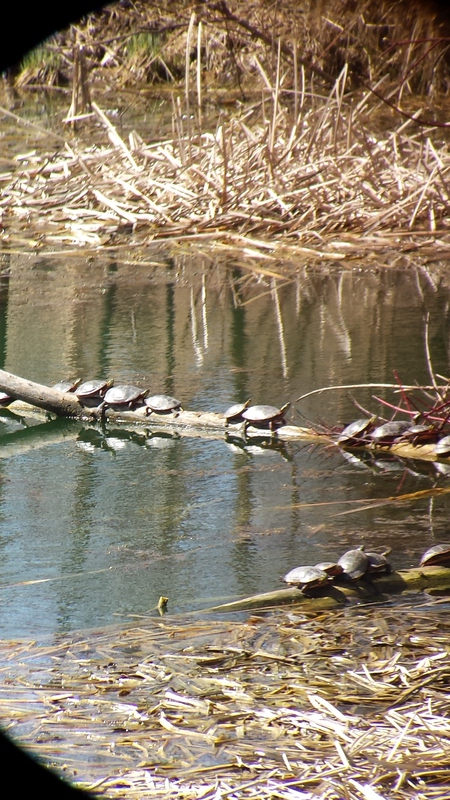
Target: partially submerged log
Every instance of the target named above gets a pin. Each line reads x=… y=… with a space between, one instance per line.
x=62 y=404
x=337 y=594
x=66 y=404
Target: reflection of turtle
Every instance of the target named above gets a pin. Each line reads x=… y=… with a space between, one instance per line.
x=162 y=404
x=354 y=431
x=123 y=396
x=306 y=578
x=354 y=564
x=234 y=412
x=438 y=554
x=263 y=416
x=66 y=386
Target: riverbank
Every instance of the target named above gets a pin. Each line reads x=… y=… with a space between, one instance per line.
x=348 y=704
x=311 y=158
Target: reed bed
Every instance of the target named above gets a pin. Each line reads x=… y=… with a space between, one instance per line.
x=352 y=704
x=323 y=179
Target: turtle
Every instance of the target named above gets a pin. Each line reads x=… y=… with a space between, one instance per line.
x=353 y=432
x=442 y=447
x=123 y=396
x=330 y=567
x=162 y=404
x=264 y=416
x=354 y=564
x=234 y=412
x=419 y=433
x=378 y=563
x=306 y=578
x=93 y=389
x=437 y=554
x=389 y=431
x=66 y=386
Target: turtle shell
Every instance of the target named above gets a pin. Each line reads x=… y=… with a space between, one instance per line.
x=354 y=430
x=124 y=395
x=389 y=431
x=330 y=567
x=93 y=388
x=264 y=415
x=66 y=386
x=419 y=433
x=438 y=554
x=234 y=412
x=162 y=403
x=442 y=447
x=354 y=564
x=306 y=577
x=378 y=563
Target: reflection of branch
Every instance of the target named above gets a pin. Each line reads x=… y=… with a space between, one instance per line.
x=41 y=435
x=426 y=123
x=428 y=357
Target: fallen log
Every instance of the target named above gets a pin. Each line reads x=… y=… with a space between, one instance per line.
x=62 y=404
x=66 y=404
x=337 y=594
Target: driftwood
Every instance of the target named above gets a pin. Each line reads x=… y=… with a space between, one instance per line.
x=337 y=594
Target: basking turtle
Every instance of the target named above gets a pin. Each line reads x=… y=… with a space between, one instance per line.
x=66 y=386
x=389 y=431
x=330 y=567
x=354 y=564
x=264 y=416
x=353 y=433
x=93 y=389
x=162 y=404
x=442 y=447
x=378 y=563
x=306 y=578
x=419 y=433
x=438 y=554
x=123 y=396
x=234 y=412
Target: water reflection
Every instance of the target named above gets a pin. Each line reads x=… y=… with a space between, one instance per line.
x=97 y=521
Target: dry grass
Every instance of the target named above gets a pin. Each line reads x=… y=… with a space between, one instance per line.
x=350 y=705
x=313 y=178
x=126 y=44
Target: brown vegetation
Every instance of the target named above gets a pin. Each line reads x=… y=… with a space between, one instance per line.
x=350 y=704
x=305 y=160
x=146 y=41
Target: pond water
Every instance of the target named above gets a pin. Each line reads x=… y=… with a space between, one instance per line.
x=97 y=525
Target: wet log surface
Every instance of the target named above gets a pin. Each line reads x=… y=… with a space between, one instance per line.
x=183 y=422
x=337 y=594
